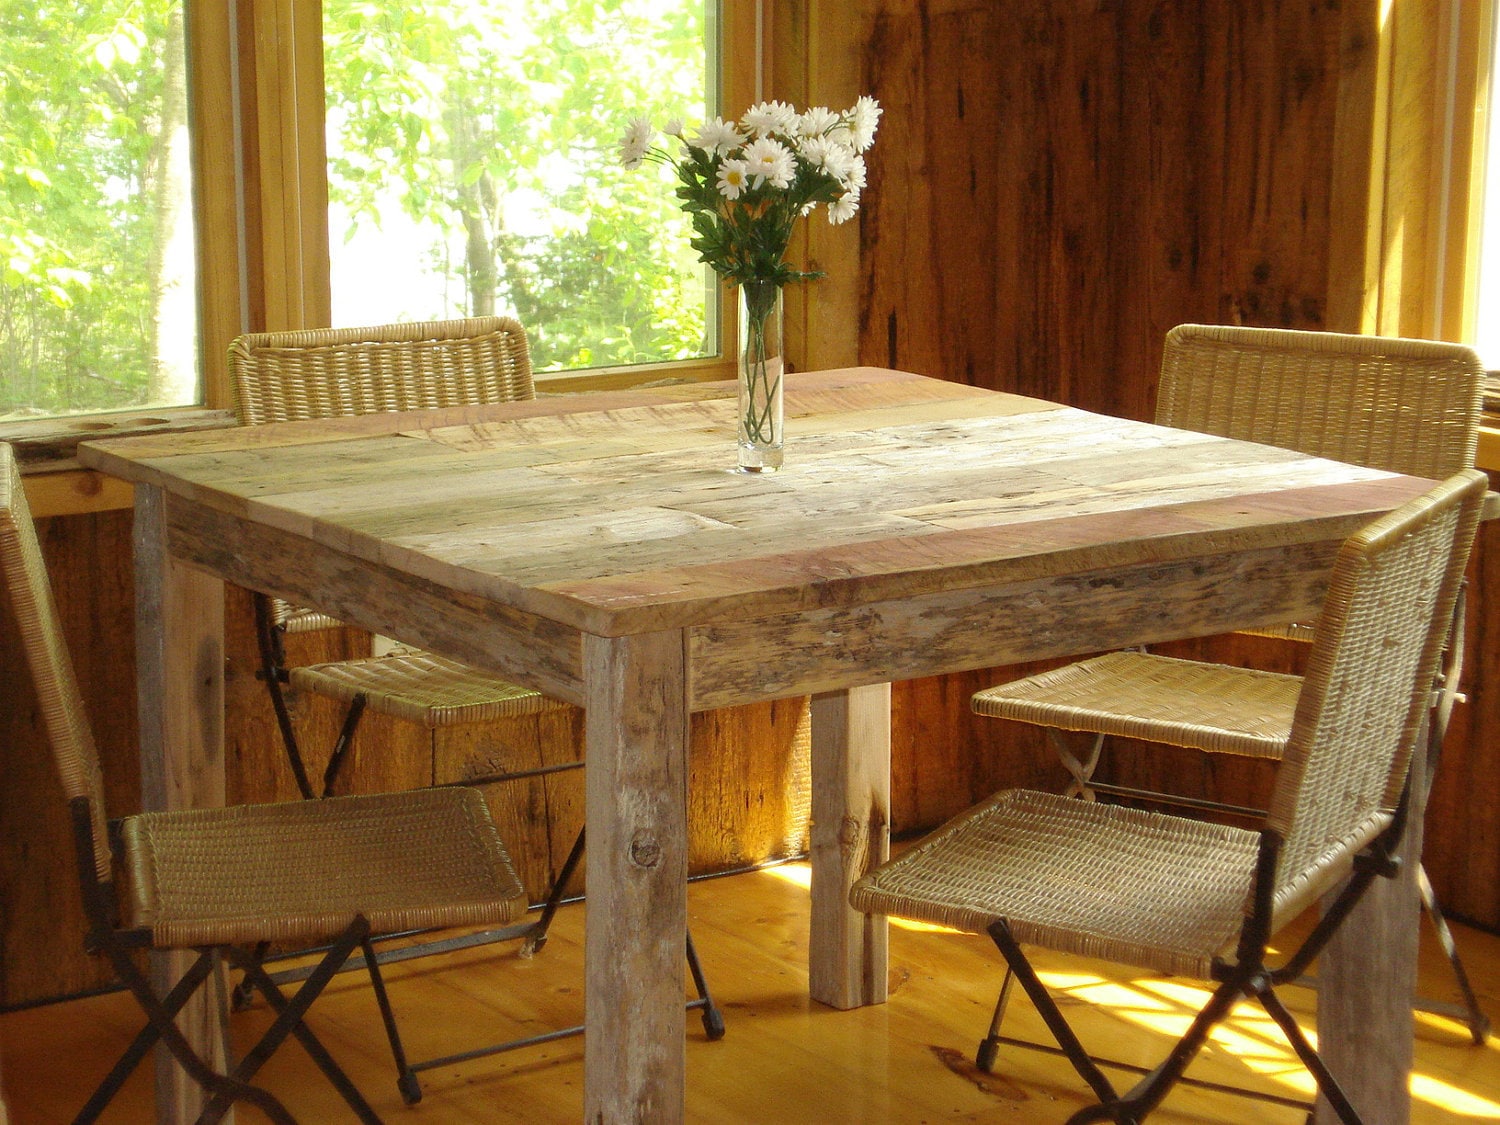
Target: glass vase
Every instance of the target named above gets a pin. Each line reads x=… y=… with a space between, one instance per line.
x=760 y=375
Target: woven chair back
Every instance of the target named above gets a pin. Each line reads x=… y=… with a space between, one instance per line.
x=1369 y=681
x=1405 y=406
x=25 y=575
x=345 y=372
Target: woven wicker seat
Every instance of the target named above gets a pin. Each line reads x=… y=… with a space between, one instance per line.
x=323 y=373
x=1182 y=896
x=1405 y=406
x=420 y=687
x=236 y=878
x=1210 y=707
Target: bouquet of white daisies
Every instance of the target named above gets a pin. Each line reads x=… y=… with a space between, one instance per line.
x=746 y=183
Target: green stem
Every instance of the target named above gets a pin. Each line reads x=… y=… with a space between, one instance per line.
x=759 y=422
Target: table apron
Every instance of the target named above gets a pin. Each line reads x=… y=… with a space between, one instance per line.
x=815 y=650
x=825 y=650
x=526 y=648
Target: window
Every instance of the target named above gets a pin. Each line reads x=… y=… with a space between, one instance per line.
x=472 y=171
x=97 y=278
x=428 y=126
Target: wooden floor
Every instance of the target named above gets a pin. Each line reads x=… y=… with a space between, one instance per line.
x=783 y=1059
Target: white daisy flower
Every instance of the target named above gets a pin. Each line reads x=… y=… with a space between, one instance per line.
x=733 y=178
x=633 y=145
x=855 y=176
x=814 y=151
x=768 y=117
x=863 y=120
x=841 y=210
x=718 y=136
x=770 y=160
x=673 y=127
x=815 y=122
x=838 y=161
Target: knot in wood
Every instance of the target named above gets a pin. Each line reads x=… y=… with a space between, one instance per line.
x=645 y=850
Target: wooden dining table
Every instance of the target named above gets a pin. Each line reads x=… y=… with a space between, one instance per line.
x=602 y=548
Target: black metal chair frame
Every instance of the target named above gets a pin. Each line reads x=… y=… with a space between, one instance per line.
x=533 y=934
x=1247 y=976
x=106 y=938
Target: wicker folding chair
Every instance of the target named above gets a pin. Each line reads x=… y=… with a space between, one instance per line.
x=1406 y=406
x=346 y=372
x=233 y=880
x=1186 y=897
x=324 y=373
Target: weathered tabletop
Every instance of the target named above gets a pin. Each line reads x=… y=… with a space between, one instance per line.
x=599 y=548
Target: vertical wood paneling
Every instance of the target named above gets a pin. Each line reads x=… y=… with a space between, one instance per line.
x=934 y=164
x=41 y=916
x=814 y=60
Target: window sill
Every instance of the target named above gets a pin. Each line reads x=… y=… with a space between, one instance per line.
x=46 y=449
x=641 y=375
x=1488 y=454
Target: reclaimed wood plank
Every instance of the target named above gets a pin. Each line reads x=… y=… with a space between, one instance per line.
x=851 y=825
x=907 y=637
x=516 y=645
x=180 y=699
x=636 y=722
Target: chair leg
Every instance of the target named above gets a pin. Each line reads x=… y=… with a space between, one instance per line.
x=406 y=1078
x=1147 y=1094
x=1047 y=1008
x=272 y=670
x=161 y=1012
x=989 y=1046
x=345 y=740
x=1479 y=1023
x=1082 y=772
x=241 y=996
x=713 y=1019
x=1327 y=1084
x=536 y=935
x=289 y=1020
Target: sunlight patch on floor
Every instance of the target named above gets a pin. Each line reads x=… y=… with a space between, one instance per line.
x=1167 y=1007
x=1436 y=1092
x=798 y=874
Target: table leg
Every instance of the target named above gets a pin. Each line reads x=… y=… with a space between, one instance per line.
x=851 y=797
x=180 y=689
x=636 y=724
x=1367 y=984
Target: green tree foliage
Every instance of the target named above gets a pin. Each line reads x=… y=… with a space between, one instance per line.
x=80 y=87
x=499 y=120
